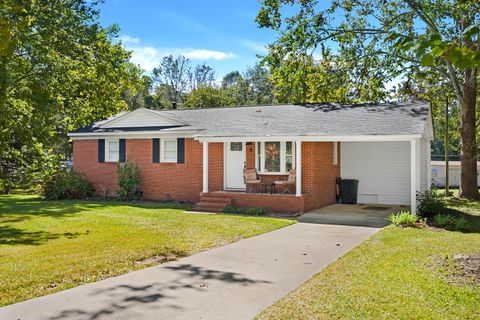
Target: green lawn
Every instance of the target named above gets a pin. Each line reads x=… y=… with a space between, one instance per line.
x=47 y=246
x=396 y=274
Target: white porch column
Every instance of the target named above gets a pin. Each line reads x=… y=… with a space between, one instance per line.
x=205 y=166
x=414 y=173
x=298 y=164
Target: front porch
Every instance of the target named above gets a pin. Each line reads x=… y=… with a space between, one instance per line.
x=310 y=168
x=215 y=201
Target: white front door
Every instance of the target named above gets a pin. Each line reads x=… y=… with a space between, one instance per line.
x=234 y=164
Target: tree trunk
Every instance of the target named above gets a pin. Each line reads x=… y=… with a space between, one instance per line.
x=468 y=156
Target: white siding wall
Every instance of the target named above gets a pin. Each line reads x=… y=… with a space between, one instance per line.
x=383 y=169
x=423 y=165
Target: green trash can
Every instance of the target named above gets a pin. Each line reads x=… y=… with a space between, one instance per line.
x=349 y=188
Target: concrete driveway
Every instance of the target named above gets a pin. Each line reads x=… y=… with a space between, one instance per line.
x=235 y=281
x=367 y=215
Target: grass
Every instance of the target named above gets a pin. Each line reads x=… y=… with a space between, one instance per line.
x=396 y=274
x=47 y=246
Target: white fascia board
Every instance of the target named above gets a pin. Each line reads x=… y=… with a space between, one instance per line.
x=313 y=138
x=131 y=135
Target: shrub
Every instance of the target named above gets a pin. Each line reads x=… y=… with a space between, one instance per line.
x=403 y=219
x=256 y=211
x=442 y=219
x=429 y=204
x=67 y=185
x=449 y=221
x=231 y=209
x=129 y=179
x=460 y=223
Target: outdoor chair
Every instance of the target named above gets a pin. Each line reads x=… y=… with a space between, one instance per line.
x=287 y=183
x=251 y=180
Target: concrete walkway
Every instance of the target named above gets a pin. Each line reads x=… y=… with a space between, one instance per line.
x=235 y=281
x=352 y=215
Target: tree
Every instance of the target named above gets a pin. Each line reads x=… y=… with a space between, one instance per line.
x=174 y=74
x=206 y=97
x=203 y=75
x=59 y=70
x=393 y=38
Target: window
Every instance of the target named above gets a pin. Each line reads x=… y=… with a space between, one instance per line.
x=236 y=146
x=272 y=157
x=112 y=150
x=168 y=150
x=288 y=156
x=275 y=156
x=259 y=156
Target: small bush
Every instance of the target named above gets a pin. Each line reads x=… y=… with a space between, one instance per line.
x=442 y=219
x=256 y=211
x=403 y=219
x=129 y=179
x=460 y=223
x=450 y=222
x=67 y=185
x=429 y=204
x=231 y=209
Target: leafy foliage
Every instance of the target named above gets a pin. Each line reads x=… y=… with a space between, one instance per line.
x=59 y=70
x=429 y=203
x=256 y=211
x=129 y=180
x=433 y=45
x=403 y=219
x=67 y=185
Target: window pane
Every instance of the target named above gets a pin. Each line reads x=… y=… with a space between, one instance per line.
x=235 y=146
x=113 y=146
x=172 y=145
x=272 y=156
x=289 y=148
x=288 y=163
x=170 y=155
x=113 y=155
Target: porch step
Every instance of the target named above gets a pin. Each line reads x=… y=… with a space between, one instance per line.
x=212 y=203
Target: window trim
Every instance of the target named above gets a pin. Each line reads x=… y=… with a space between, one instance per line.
x=107 y=150
x=163 y=149
x=260 y=157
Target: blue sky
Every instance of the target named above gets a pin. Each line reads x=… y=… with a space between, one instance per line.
x=221 y=33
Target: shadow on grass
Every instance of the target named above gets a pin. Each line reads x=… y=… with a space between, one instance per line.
x=110 y=300
x=13 y=209
x=14 y=236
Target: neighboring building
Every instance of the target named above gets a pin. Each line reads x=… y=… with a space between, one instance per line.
x=439 y=173
x=199 y=155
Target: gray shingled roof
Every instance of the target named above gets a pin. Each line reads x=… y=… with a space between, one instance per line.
x=303 y=120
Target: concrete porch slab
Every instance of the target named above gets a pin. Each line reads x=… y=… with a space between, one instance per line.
x=367 y=215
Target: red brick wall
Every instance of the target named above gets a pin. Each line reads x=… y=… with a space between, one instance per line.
x=215 y=166
x=183 y=182
x=160 y=181
x=318 y=174
x=102 y=175
x=250 y=156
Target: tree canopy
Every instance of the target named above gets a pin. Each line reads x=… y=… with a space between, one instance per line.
x=380 y=41
x=59 y=70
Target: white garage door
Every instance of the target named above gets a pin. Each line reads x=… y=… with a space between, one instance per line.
x=383 y=169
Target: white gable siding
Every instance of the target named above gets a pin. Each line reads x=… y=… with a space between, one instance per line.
x=383 y=169
x=141 y=118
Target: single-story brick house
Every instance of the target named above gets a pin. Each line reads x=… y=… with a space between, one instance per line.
x=199 y=155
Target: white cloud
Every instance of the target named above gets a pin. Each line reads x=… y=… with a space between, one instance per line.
x=202 y=54
x=129 y=39
x=149 y=57
x=255 y=46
